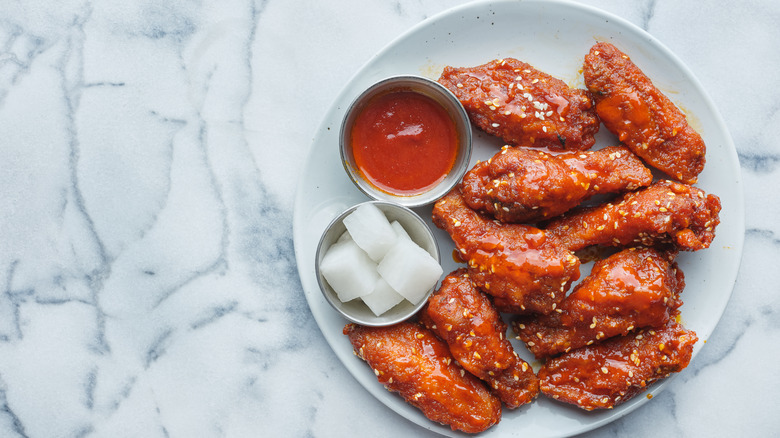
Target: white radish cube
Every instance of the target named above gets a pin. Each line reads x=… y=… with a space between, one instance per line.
x=400 y=231
x=349 y=270
x=382 y=298
x=371 y=230
x=410 y=270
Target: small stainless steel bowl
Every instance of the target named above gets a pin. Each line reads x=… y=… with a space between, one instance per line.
x=439 y=94
x=355 y=310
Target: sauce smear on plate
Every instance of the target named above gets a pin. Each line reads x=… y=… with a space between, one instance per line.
x=404 y=143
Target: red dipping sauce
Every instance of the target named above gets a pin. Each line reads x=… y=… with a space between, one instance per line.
x=404 y=143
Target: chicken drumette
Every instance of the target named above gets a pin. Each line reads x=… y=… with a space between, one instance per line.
x=410 y=360
x=466 y=320
x=524 y=106
x=603 y=375
x=523 y=268
x=641 y=116
x=525 y=185
x=632 y=289
x=665 y=212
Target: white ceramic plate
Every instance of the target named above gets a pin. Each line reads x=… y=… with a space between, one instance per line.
x=553 y=36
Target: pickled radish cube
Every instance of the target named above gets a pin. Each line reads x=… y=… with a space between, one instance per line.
x=410 y=270
x=371 y=230
x=382 y=298
x=349 y=270
x=400 y=231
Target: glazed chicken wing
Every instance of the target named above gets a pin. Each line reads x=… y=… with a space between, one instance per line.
x=632 y=289
x=603 y=375
x=524 y=106
x=466 y=320
x=641 y=116
x=665 y=212
x=525 y=185
x=521 y=266
x=410 y=360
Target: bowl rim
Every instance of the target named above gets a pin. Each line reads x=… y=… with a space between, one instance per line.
x=437 y=92
x=330 y=295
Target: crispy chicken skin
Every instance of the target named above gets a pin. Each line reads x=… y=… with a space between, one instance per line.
x=523 y=268
x=603 y=375
x=641 y=116
x=524 y=106
x=466 y=320
x=665 y=212
x=526 y=185
x=634 y=288
x=410 y=360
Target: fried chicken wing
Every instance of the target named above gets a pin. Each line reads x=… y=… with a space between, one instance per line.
x=634 y=288
x=525 y=185
x=524 y=106
x=603 y=375
x=410 y=360
x=466 y=320
x=521 y=266
x=641 y=116
x=665 y=212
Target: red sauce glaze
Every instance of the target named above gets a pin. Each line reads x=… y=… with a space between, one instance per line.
x=404 y=143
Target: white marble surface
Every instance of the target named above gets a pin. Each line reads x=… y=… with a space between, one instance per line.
x=149 y=153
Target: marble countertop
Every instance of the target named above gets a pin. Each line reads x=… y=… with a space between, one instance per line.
x=149 y=155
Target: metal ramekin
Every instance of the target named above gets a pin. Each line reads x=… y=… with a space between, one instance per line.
x=438 y=93
x=355 y=310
